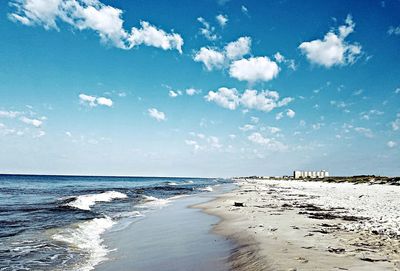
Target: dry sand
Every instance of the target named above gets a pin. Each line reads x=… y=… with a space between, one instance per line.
x=278 y=229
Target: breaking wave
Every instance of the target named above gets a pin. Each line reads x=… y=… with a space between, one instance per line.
x=85 y=202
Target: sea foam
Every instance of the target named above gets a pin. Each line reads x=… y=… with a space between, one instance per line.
x=86 y=237
x=85 y=202
x=206 y=189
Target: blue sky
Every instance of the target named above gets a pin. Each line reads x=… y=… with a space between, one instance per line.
x=199 y=88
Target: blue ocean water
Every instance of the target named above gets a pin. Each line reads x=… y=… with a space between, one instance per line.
x=56 y=222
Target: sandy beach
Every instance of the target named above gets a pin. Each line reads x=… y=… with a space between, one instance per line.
x=291 y=225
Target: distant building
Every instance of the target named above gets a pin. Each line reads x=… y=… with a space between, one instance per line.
x=301 y=174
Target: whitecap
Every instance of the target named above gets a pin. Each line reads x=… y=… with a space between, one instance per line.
x=155 y=202
x=84 y=202
x=206 y=189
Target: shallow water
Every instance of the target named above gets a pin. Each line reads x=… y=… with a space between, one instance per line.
x=177 y=238
x=58 y=222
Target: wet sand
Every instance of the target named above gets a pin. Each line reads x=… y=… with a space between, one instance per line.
x=170 y=239
x=277 y=230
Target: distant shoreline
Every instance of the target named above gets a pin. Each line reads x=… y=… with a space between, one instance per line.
x=356 y=179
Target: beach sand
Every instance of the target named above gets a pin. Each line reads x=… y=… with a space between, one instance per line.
x=173 y=238
x=283 y=226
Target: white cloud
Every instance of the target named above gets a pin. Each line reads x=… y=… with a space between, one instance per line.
x=397 y=91
x=230 y=98
x=358 y=92
x=264 y=100
x=193 y=143
x=93 y=101
x=364 y=131
x=394 y=30
x=222 y=19
x=151 y=36
x=279 y=58
x=104 y=101
x=173 y=94
x=157 y=115
x=254 y=119
x=39 y=134
x=244 y=10
x=225 y=97
x=274 y=130
x=34 y=122
x=9 y=114
x=369 y=114
x=87 y=99
x=92 y=15
x=290 y=113
x=246 y=127
x=212 y=59
x=333 y=49
x=192 y=91
x=391 y=144
x=214 y=142
x=279 y=116
x=207 y=30
x=270 y=144
x=239 y=48
x=254 y=69
x=396 y=123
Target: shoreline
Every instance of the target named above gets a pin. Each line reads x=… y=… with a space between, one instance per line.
x=277 y=230
x=174 y=237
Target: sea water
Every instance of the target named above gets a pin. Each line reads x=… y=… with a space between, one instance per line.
x=57 y=222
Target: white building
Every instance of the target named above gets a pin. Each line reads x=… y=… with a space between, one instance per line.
x=301 y=174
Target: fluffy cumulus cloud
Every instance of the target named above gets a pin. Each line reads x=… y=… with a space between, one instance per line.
x=230 y=98
x=93 y=101
x=254 y=69
x=250 y=69
x=264 y=100
x=211 y=58
x=225 y=97
x=222 y=19
x=151 y=36
x=333 y=49
x=93 y=15
x=157 y=115
x=239 y=48
x=216 y=58
x=269 y=143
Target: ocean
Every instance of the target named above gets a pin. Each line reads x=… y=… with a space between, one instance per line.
x=57 y=222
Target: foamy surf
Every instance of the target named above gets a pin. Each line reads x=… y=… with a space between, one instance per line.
x=86 y=237
x=85 y=202
x=150 y=201
x=206 y=189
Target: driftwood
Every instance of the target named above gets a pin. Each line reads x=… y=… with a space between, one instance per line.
x=238 y=204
